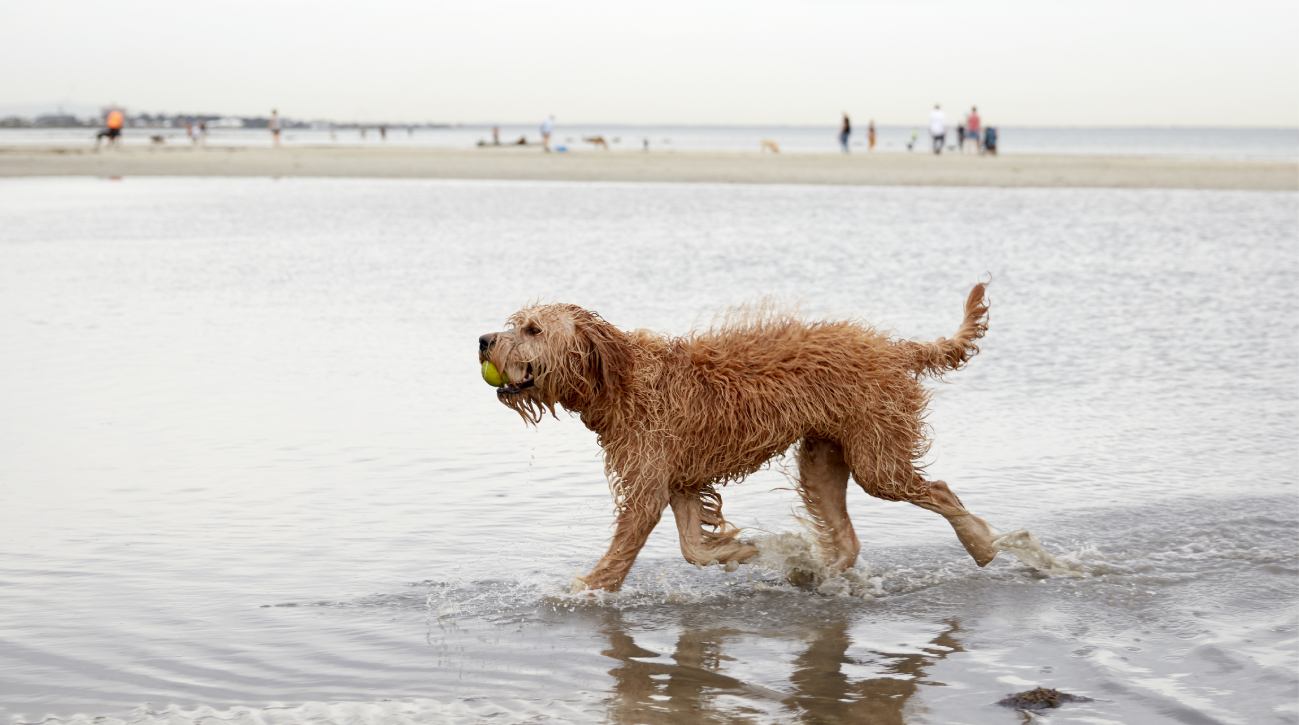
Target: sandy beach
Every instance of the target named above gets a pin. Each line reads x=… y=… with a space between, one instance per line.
x=881 y=169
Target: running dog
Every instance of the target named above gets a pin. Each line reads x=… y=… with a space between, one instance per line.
x=678 y=417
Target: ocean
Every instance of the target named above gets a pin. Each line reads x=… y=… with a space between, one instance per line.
x=249 y=473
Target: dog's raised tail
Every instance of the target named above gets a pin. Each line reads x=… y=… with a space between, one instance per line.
x=945 y=354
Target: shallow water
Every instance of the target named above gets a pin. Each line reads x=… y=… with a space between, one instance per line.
x=248 y=470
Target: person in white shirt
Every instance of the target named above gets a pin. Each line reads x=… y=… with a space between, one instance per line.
x=937 y=128
x=547 y=128
x=274 y=126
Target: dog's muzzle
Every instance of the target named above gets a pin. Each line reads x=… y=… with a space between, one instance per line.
x=485 y=343
x=519 y=387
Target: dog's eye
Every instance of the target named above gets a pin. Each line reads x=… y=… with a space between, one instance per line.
x=532 y=330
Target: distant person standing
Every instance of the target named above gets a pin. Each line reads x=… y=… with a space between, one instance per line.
x=547 y=128
x=960 y=136
x=973 y=128
x=845 y=132
x=383 y=133
x=496 y=135
x=201 y=139
x=274 y=126
x=113 y=124
x=990 y=140
x=870 y=135
x=937 y=128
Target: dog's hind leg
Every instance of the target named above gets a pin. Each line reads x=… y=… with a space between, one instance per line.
x=889 y=473
x=974 y=533
x=706 y=538
x=823 y=485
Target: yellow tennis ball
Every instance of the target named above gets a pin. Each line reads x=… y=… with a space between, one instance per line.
x=493 y=376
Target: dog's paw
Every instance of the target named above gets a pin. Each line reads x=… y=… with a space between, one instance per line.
x=578 y=585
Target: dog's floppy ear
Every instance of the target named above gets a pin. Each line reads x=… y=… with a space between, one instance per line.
x=610 y=360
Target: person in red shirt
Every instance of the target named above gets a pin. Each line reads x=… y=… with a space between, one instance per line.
x=973 y=127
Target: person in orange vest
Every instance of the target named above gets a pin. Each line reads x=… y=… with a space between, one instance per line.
x=113 y=123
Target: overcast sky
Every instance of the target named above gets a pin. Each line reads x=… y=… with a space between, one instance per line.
x=1029 y=62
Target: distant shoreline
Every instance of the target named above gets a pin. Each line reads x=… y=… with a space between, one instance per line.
x=505 y=163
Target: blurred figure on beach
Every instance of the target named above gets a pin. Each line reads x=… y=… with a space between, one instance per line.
x=383 y=133
x=937 y=128
x=274 y=126
x=845 y=132
x=200 y=138
x=547 y=128
x=915 y=136
x=990 y=141
x=960 y=137
x=496 y=135
x=973 y=126
x=189 y=131
x=870 y=135
x=113 y=124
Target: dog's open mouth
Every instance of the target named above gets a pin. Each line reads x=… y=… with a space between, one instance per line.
x=519 y=387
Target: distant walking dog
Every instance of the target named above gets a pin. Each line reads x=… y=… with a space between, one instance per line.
x=678 y=417
x=597 y=141
x=769 y=145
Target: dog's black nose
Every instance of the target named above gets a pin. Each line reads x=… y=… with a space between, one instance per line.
x=486 y=341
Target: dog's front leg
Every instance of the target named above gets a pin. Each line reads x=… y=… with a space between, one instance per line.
x=635 y=522
x=706 y=537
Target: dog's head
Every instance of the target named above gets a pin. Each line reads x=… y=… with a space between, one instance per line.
x=559 y=354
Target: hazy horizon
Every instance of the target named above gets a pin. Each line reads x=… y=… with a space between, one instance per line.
x=1106 y=64
x=82 y=110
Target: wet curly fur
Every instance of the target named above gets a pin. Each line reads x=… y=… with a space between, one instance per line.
x=679 y=416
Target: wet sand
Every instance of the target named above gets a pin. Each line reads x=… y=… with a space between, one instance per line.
x=881 y=169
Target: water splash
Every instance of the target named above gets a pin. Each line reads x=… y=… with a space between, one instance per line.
x=1023 y=545
x=789 y=561
x=796 y=558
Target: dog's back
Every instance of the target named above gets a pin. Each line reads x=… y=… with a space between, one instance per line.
x=739 y=395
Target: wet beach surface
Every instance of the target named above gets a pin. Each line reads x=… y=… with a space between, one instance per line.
x=1037 y=170
x=248 y=469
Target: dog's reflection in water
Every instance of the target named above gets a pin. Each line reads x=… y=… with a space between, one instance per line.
x=694 y=685
x=822 y=692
